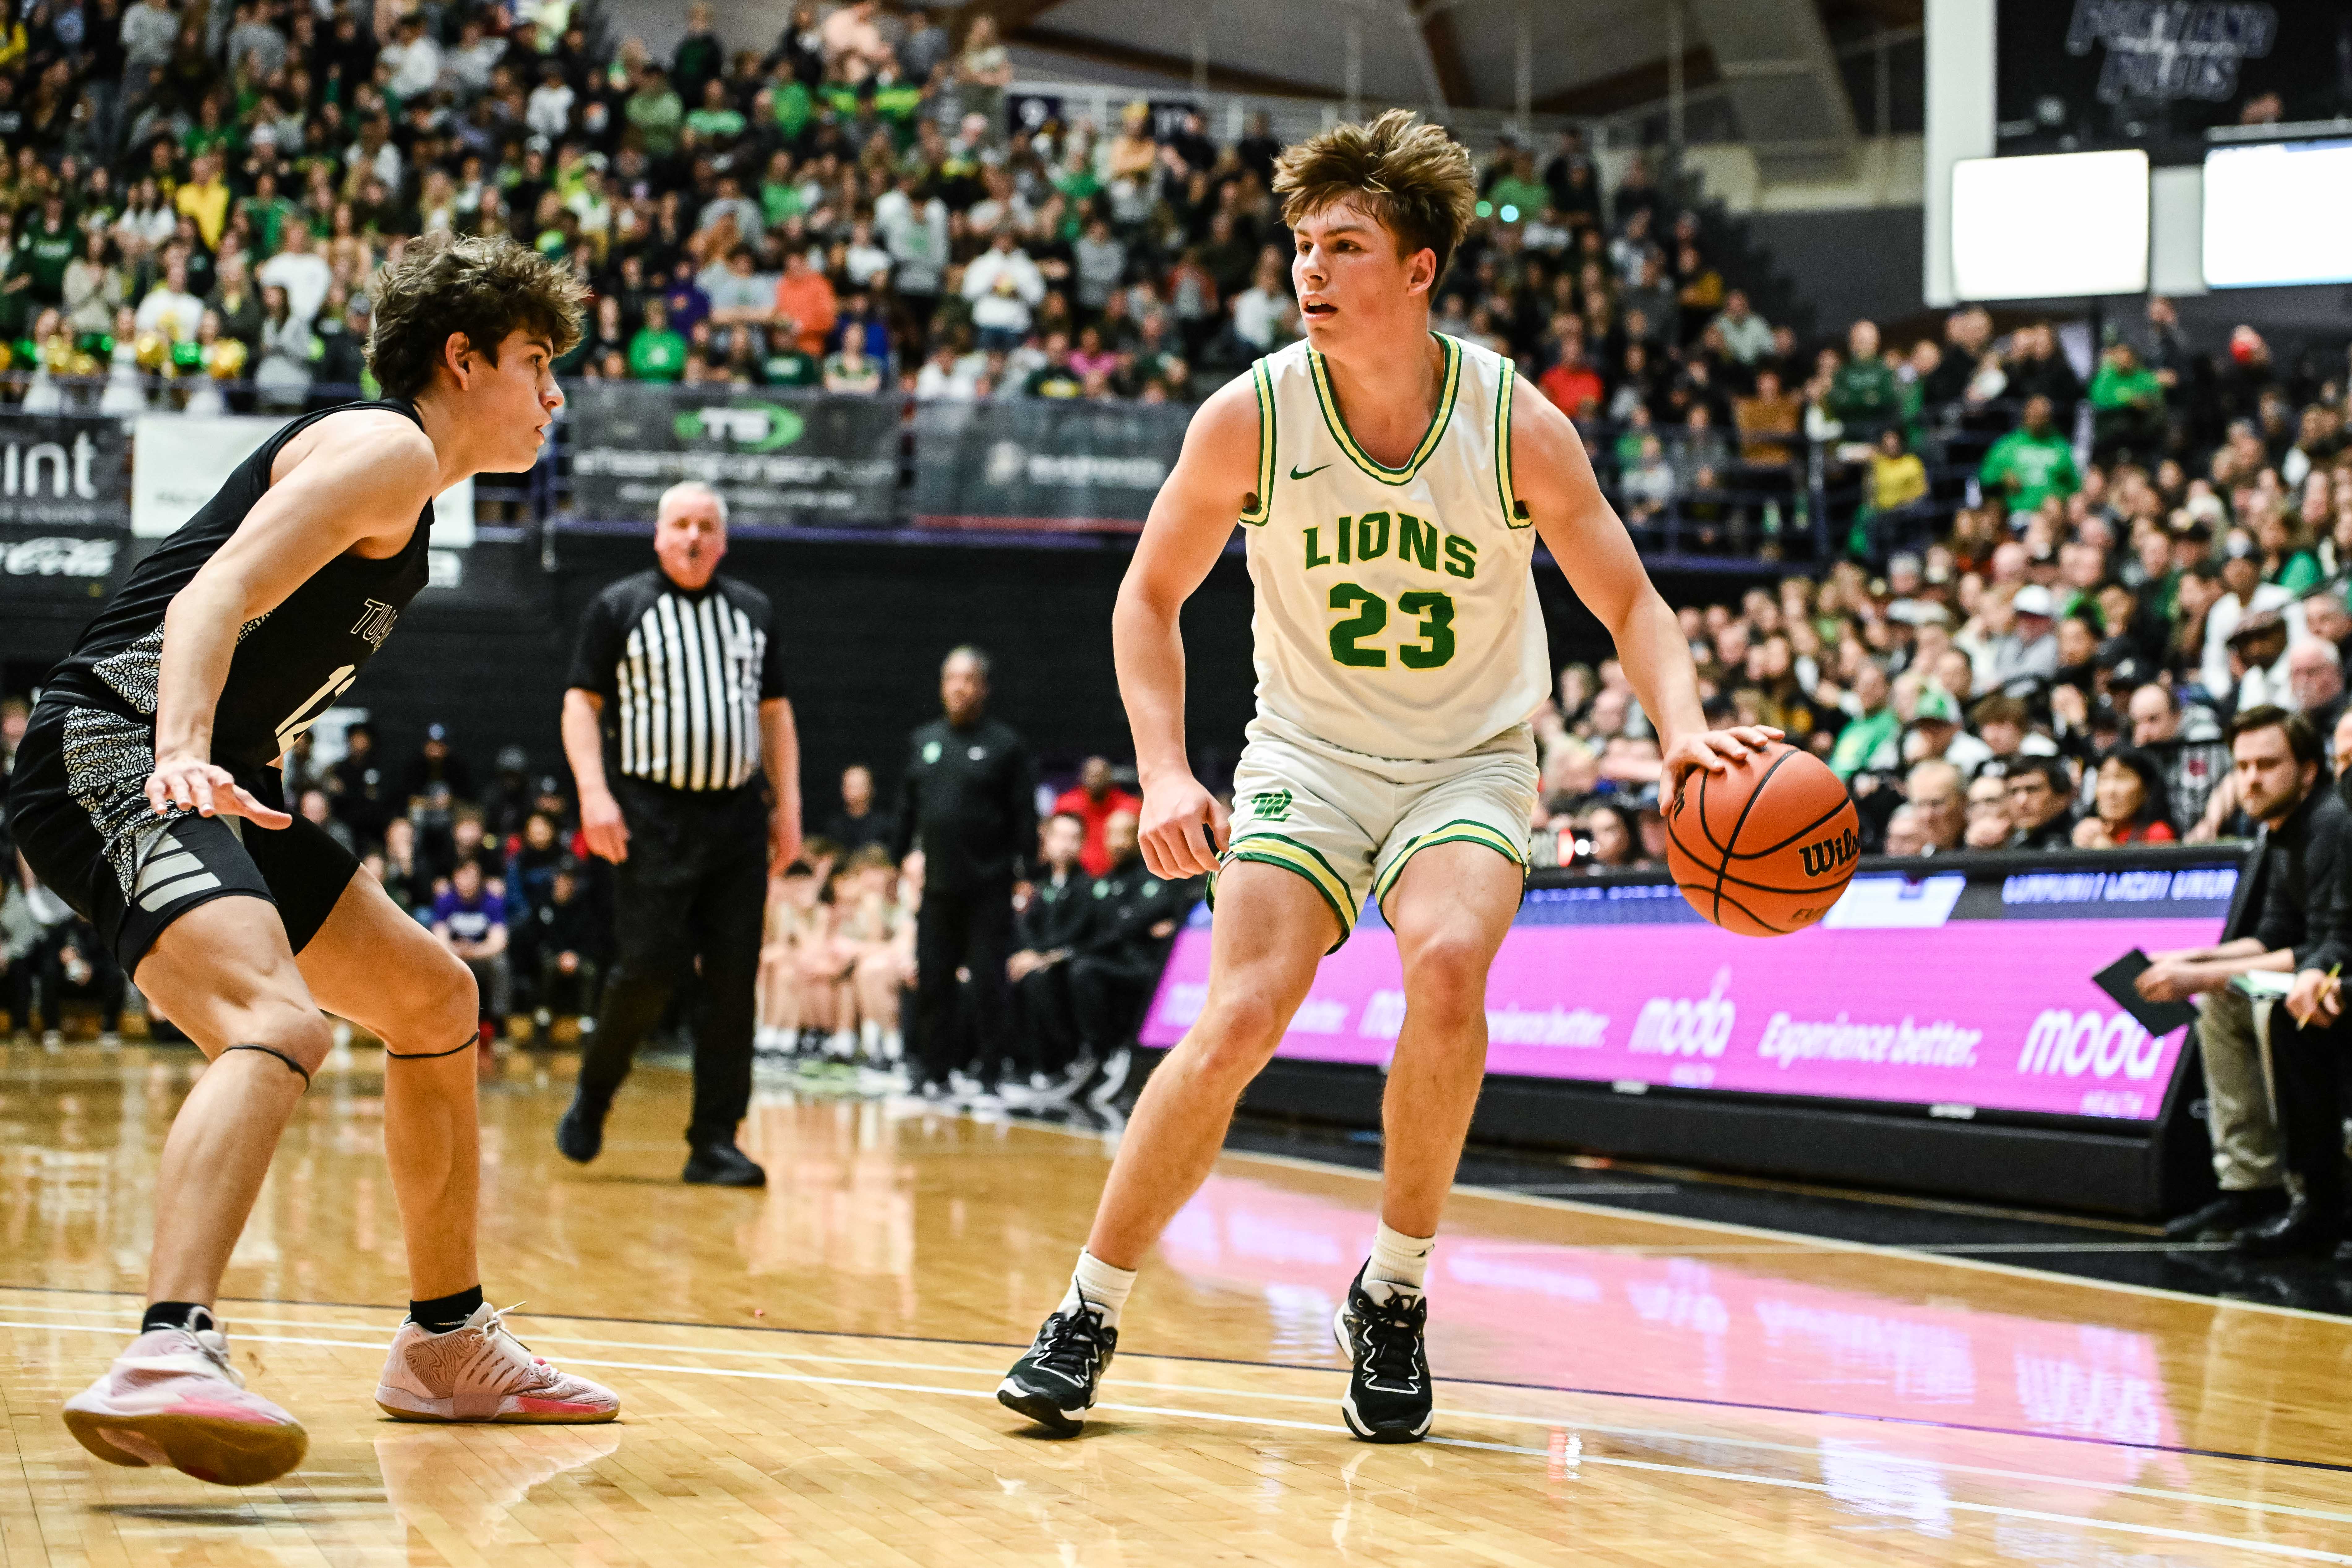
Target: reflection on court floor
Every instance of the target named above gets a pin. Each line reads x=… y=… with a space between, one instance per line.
x=808 y=1372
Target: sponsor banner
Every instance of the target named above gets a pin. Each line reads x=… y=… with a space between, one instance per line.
x=778 y=458
x=61 y=474
x=1993 y=1014
x=179 y=461
x=1041 y=462
x=59 y=565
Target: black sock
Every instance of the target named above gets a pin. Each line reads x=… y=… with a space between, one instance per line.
x=171 y=1315
x=444 y=1313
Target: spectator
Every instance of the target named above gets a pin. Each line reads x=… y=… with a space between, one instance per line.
x=656 y=354
x=2314 y=678
x=2040 y=793
x=1004 y=287
x=2128 y=806
x=857 y=824
x=1871 y=729
x=1746 y=336
x=1937 y=796
x=1051 y=918
x=471 y=921
x=2189 y=755
x=435 y=764
x=2033 y=462
x=1093 y=801
x=805 y=300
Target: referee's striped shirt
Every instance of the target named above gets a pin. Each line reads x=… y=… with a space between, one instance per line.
x=682 y=676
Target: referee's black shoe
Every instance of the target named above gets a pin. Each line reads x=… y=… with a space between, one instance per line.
x=722 y=1165
x=580 y=1135
x=1379 y=1329
x=1055 y=1383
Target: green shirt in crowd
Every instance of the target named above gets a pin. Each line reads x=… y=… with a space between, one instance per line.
x=2031 y=468
x=1519 y=201
x=1865 y=389
x=791 y=368
x=2140 y=389
x=1867 y=741
x=656 y=356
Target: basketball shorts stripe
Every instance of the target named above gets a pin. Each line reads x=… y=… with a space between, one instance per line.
x=1350 y=824
x=78 y=807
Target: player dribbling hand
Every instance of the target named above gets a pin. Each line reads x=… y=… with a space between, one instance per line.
x=1713 y=750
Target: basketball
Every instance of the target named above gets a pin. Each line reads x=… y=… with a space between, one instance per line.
x=1766 y=847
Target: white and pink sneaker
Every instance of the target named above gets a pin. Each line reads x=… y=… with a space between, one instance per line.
x=481 y=1372
x=172 y=1399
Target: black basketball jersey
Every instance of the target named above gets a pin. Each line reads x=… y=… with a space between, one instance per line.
x=290 y=664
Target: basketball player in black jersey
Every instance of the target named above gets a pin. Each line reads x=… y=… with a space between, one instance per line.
x=144 y=794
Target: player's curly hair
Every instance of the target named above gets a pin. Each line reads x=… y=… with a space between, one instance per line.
x=484 y=286
x=1411 y=176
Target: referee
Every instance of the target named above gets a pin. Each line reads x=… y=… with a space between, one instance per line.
x=677 y=684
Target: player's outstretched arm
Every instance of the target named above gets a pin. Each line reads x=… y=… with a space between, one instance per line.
x=1554 y=476
x=1182 y=828
x=366 y=476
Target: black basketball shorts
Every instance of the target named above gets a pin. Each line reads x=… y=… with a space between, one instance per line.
x=77 y=808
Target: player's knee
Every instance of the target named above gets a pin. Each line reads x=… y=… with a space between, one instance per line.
x=442 y=1008
x=1446 y=976
x=1236 y=1033
x=296 y=1031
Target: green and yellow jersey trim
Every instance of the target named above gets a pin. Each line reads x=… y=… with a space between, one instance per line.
x=1514 y=510
x=1457 y=832
x=1257 y=507
x=1273 y=849
x=1450 y=383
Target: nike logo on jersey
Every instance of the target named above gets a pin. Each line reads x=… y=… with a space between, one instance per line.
x=1308 y=474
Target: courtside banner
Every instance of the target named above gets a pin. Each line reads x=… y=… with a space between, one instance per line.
x=779 y=460
x=1966 y=991
x=1043 y=463
x=64 y=506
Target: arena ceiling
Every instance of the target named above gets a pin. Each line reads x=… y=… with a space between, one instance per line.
x=1588 y=56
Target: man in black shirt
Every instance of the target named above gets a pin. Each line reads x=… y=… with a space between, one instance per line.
x=1047 y=927
x=1130 y=928
x=676 y=706
x=358 y=786
x=968 y=801
x=2275 y=758
x=857 y=824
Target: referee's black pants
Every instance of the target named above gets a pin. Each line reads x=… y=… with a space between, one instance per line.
x=2307 y=1072
x=694 y=885
x=968 y=929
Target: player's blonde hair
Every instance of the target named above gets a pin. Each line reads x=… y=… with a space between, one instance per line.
x=1410 y=176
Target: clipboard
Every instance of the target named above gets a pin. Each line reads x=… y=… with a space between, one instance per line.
x=2159 y=1018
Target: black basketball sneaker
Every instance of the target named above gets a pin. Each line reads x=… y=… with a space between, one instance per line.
x=1388 y=1398
x=1054 y=1384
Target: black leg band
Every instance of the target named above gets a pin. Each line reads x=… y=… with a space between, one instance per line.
x=281 y=1056
x=471 y=1041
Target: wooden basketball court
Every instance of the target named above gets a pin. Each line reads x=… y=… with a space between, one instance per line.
x=808 y=1372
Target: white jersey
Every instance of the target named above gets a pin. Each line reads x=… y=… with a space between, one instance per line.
x=1396 y=609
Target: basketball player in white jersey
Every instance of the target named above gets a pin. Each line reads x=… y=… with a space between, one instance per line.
x=1391 y=484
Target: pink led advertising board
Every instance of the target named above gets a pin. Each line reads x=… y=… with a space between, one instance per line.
x=1950 y=989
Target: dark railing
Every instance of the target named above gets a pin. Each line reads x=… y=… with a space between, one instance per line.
x=1714 y=507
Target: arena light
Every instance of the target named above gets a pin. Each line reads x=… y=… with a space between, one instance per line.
x=2275 y=214
x=2064 y=225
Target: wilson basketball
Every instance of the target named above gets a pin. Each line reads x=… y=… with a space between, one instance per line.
x=1765 y=848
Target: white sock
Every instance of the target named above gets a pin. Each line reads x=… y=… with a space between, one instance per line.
x=1398 y=1258
x=1096 y=1284
x=869 y=1038
x=893 y=1044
